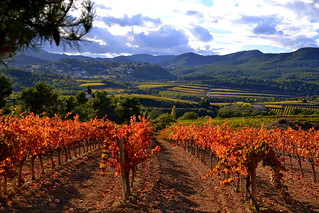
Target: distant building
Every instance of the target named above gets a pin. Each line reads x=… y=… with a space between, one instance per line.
x=89 y=93
x=259 y=107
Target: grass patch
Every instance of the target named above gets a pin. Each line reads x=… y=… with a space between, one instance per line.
x=110 y=90
x=176 y=93
x=152 y=86
x=92 y=84
x=225 y=90
x=237 y=122
x=196 y=87
x=155 y=98
x=240 y=93
x=274 y=106
x=104 y=76
x=88 y=81
x=280 y=102
x=187 y=90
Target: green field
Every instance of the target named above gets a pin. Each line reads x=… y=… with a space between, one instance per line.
x=280 y=102
x=237 y=93
x=87 y=81
x=152 y=86
x=251 y=121
x=170 y=93
x=180 y=89
x=154 y=98
x=110 y=90
x=92 y=84
x=185 y=90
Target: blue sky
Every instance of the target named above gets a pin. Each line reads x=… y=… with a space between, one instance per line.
x=207 y=27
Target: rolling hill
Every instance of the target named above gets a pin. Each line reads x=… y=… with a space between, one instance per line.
x=302 y=64
x=251 y=69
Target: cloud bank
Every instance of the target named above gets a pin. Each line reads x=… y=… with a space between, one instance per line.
x=200 y=26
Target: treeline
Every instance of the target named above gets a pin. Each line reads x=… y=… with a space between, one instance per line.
x=44 y=98
x=23 y=78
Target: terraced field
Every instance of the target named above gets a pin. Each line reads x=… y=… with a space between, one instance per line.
x=141 y=96
x=222 y=92
x=185 y=90
x=92 y=84
x=153 y=86
x=177 y=89
x=180 y=89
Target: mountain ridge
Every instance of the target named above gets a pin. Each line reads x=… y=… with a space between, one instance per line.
x=302 y=64
x=185 y=59
x=293 y=72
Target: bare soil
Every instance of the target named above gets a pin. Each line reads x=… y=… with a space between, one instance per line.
x=171 y=181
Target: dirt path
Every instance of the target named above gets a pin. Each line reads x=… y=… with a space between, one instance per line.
x=169 y=182
x=179 y=186
x=73 y=187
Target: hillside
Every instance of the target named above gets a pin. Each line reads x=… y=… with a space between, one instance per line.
x=302 y=64
x=39 y=56
x=294 y=73
x=192 y=59
x=120 y=71
x=23 y=78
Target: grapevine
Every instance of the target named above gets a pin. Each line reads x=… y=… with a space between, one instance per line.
x=238 y=151
x=30 y=136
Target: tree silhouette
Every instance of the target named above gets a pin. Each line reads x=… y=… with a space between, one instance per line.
x=5 y=90
x=29 y=23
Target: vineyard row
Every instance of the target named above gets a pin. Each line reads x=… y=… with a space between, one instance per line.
x=32 y=137
x=238 y=151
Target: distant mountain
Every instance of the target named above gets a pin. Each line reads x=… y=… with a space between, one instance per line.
x=133 y=71
x=22 y=78
x=145 y=58
x=302 y=64
x=30 y=56
x=39 y=56
x=21 y=60
x=192 y=59
x=150 y=58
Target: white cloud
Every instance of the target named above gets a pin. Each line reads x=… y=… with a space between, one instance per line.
x=202 y=26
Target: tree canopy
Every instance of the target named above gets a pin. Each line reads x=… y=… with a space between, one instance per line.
x=40 y=98
x=5 y=90
x=29 y=23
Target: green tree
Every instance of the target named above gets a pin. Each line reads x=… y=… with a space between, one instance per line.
x=84 y=107
x=85 y=110
x=40 y=98
x=173 y=112
x=29 y=23
x=189 y=116
x=5 y=90
x=66 y=105
x=102 y=104
x=205 y=103
x=163 y=121
x=234 y=110
x=125 y=108
x=81 y=98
